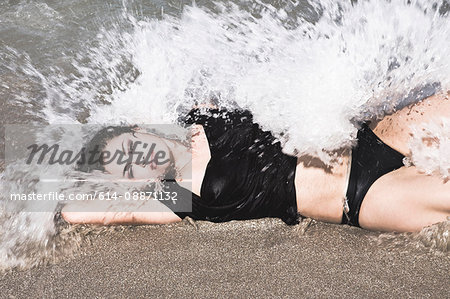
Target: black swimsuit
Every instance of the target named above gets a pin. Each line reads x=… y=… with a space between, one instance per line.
x=248 y=175
x=371 y=159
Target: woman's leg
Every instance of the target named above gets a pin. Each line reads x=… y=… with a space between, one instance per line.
x=405 y=200
x=395 y=129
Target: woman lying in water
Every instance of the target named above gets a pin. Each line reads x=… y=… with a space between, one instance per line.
x=239 y=172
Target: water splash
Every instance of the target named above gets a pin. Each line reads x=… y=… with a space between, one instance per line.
x=434 y=239
x=310 y=84
x=430 y=147
x=309 y=72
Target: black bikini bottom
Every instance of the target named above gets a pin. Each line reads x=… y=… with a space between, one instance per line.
x=371 y=159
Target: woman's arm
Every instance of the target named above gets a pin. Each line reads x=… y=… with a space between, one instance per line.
x=118 y=213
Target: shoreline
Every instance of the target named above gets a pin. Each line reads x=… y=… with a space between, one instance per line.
x=238 y=259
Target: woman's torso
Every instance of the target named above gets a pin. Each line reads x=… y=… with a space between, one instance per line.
x=319 y=190
x=245 y=174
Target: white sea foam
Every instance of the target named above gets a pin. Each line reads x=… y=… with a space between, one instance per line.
x=430 y=147
x=310 y=83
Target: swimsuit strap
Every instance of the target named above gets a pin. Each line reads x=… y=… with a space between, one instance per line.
x=345 y=205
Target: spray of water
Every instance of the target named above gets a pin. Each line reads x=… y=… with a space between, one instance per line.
x=311 y=78
x=308 y=84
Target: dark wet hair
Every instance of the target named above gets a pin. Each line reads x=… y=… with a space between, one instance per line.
x=98 y=144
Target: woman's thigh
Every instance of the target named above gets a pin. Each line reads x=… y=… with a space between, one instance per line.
x=405 y=200
x=395 y=130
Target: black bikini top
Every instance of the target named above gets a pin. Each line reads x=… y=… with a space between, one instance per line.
x=248 y=176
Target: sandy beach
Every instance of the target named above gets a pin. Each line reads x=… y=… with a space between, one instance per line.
x=238 y=259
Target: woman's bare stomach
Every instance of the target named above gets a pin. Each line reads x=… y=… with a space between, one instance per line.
x=320 y=190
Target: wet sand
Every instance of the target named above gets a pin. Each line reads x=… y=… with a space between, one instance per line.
x=238 y=259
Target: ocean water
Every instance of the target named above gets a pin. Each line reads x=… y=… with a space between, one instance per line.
x=310 y=72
